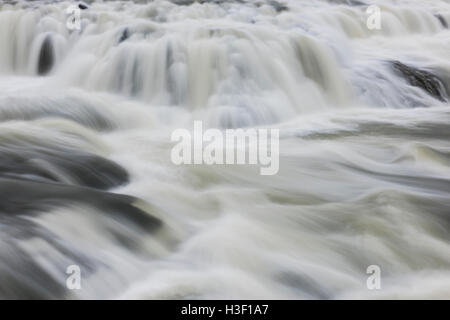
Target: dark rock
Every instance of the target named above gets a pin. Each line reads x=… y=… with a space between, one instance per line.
x=124 y=35
x=23 y=197
x=279 y=7
x=442 y=20
x=23 y=278
x=22 y=275
x=183 y=2
x=83 y=6
x=303 y=283
x=349 y=2
x=189 y=2
x=422 y=79
x=46 y=56
x=40 y=177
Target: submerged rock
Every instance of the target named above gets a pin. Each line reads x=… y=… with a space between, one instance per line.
x=38 y=178
x=22 y=274
x=425 y=80
x=20 y=197
x=70 y=167
x=71 y=108
x=28 y=158
x=348 y=2
x=183 y=2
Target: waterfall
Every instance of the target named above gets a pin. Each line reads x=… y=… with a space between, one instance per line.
x=247 y=63
x=86 y=116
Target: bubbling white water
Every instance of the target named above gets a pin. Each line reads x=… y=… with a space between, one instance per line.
x=363 y=180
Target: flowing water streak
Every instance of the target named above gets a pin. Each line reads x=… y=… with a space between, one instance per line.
x=86 y=118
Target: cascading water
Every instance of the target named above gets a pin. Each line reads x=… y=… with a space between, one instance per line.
x=86 y=117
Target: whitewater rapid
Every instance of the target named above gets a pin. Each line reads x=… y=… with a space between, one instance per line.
x=86 y=176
